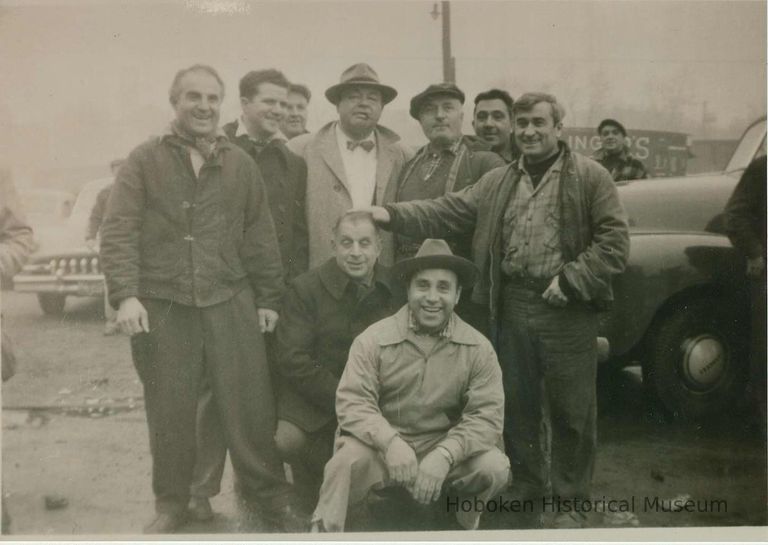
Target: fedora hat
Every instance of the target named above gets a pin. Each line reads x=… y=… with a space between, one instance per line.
x=435 y=253
x=448 y=89
x=360 y=74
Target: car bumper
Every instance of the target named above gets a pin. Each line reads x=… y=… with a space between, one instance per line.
x=75 y=284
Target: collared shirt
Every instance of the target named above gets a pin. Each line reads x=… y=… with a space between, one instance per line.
x=261 y=144
x=451 y=396
x=531 y=226
x=622 y=166
x=360 y=168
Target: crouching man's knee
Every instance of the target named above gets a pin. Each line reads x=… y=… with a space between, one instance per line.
x=487 y=472
x=290 y=440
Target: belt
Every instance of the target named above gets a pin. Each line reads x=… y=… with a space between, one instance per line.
x=525 y=282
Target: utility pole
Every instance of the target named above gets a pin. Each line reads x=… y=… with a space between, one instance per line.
x=449 y=62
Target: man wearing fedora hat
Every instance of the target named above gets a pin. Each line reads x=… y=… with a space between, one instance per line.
x=549 y=234
x=420 y=403
x=351 y=162
x=448 y=162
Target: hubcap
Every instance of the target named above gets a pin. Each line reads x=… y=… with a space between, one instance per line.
x=704 y=361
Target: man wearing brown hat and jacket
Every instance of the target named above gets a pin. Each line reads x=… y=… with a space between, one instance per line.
x=420 y=403
x=351 y=163
x=449 y=162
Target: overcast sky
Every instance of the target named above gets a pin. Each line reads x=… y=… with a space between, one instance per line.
x=87 y=81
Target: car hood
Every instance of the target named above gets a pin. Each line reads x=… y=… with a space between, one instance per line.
x=690 y=203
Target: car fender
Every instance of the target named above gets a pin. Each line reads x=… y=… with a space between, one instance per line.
x=667 y=268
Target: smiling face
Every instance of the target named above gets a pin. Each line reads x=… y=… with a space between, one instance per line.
x=357 y=247
x=492 y=123
x=536 y=132
x=359 y=110
x=264 y=111
x=432 y=294
x=198 y=104
x=611 y=138
x=295 y=120
x=440 y=117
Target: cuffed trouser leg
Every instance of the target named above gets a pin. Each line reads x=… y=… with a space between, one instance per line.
x=224 y=338
x=211 y=451
x=548 y=357
x=480 y=477
x=169 y=361
x=242 y=392
x=349 y=475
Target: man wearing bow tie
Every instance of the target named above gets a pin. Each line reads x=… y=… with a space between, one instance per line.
x=352 y=162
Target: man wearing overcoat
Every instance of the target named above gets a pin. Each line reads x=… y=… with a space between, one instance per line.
x=352 y=162
x=322 y=312
x=192 y=263
x=549 y=232
x=420 y=403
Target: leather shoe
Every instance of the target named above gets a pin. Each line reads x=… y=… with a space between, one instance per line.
x=200 y=509
x=165 y=523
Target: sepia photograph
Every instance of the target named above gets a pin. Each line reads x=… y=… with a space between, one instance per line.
x=460 y=270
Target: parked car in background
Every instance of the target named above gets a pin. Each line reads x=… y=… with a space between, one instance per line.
x=63 y=266
x=47 y=211
x=682 y=305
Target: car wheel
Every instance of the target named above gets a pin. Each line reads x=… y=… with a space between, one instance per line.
x=52 y=303
x=696 y=364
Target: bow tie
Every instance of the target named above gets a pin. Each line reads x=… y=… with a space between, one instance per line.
x=367 y=145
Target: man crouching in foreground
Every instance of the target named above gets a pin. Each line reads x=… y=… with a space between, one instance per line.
x=420 y=403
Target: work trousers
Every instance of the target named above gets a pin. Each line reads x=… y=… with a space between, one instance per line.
x=548 y=357
x=356 y=468
x=211 y=446
x=224 y=342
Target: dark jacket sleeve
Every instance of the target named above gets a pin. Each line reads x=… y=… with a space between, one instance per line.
x=295 y=340
x=260 y=253
x=120 y=230
x=744 y=208
x=450 y=215
x=589 y=274
x=97 y=213
x=16 y=242
x=300 y=233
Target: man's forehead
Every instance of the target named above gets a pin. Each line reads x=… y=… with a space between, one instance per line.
x=612 y=128
x=356 y=227
x=297 y=97
x=199 y=80
x=541 y=109
x=491 y=105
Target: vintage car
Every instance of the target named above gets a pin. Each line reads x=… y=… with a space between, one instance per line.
x=63 y=265
x=682 y=305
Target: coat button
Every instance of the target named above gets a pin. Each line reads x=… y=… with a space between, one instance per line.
x=186 y=204
x=189 y=238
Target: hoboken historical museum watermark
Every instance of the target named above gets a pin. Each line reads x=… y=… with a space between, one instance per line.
x=557 y=504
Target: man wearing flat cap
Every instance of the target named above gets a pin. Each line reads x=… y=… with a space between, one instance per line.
x=614 y=153
x=420 y=403
x=449 y=162
x=352 y=162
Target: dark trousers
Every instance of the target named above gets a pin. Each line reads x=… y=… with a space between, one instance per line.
x=223 y=341
x=548 y=357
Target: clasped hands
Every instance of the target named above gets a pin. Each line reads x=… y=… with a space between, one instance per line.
x=423 y=480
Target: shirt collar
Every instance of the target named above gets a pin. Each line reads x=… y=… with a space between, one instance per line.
x=242 y=131
x=460 y=332
x=335 y=281
x=342 y=138
x=221 y=136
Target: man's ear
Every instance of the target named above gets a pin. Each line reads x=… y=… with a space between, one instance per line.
x=458 y=294
x=244 y=101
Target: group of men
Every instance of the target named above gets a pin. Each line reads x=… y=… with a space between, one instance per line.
x=370 y=316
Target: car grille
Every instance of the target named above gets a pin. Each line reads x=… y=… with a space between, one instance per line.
x=65 y=266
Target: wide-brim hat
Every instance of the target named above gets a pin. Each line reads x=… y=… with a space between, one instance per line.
x=360 y=74
x=435 y=253
x=449 y=89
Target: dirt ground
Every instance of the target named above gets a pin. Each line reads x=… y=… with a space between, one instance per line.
x=74 y=436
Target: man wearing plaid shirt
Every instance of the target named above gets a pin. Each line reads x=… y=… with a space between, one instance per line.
x=549 y=232
x=614 y=153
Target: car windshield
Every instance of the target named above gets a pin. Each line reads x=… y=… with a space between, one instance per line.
x=750 y=146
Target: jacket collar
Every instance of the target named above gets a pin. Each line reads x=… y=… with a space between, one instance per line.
x=236 y=133
x=399 y=329
x=336 y=282
x=623 y=155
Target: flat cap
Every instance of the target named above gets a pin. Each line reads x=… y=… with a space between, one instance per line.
x=449 y=89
